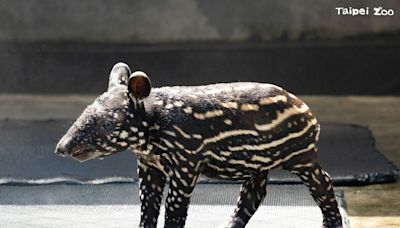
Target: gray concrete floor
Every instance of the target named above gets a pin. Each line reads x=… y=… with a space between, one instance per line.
x=369 y=206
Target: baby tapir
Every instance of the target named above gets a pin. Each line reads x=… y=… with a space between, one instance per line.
x=233 y=131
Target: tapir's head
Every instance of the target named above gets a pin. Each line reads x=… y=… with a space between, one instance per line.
x=115 y=121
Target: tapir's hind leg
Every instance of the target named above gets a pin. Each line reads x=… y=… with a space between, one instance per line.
x=319 y=183
x=252 y=192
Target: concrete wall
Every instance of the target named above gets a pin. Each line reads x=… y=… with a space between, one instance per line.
x=141 y=21
x=303 y=69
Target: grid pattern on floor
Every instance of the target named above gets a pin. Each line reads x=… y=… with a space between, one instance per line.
x=117 y=205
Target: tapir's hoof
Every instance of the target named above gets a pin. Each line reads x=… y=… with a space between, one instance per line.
x=327 y=225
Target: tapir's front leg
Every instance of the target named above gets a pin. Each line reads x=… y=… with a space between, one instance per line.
x=151 y=186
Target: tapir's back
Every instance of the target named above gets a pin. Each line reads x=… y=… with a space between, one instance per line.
x=226 y=106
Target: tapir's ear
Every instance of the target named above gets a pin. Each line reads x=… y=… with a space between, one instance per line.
x=119 y=75
x=139 y=85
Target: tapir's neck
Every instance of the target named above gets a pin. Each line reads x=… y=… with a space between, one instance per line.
x=139 y=125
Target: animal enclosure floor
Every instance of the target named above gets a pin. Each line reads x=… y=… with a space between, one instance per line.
x=117 y=205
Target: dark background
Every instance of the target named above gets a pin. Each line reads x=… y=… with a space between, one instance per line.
x=58 y=47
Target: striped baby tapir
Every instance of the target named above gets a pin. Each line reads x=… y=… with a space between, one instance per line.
x=230 y=131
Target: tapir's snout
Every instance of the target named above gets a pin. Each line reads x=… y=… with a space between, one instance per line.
x=68 y=146
x=64 y=146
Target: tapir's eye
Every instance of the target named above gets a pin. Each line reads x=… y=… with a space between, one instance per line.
x=106 y=125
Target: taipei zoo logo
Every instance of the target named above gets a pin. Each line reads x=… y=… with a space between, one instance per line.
x=379 y=11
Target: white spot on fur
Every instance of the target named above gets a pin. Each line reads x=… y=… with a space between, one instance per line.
x=178 y=103
x=197 y=136
x=159 y=102
x=261 y=159
x=185 y=170
x=122 y=144
x=272 y=100
x=226 y=153
x=231 y=105
x=123 y=135
x=209 y=114
x=169 y=144
x=170 y=133
x=142 y=141
x=228 y=121
x=132 y=138
x=188 y=110
x=154 y=127
x=249 y=107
